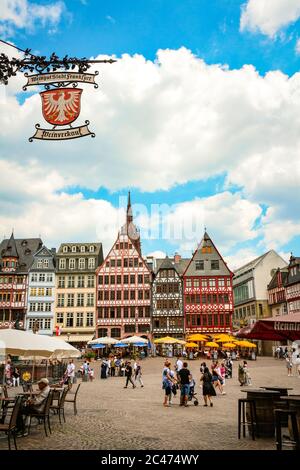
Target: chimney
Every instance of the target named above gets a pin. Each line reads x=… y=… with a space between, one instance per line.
x=177 y=258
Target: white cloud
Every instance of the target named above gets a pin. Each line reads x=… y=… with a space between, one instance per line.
x=269 y=16
x=26 y=14
x=172 y=121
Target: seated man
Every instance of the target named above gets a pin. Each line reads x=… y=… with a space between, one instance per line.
x=33 y=405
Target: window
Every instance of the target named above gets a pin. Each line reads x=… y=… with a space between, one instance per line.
x=80 y=281
x=40 y=264
x=212 y=282
x=126 y=294
x=129 y=329
x=125 y=279
x=61 y=300
x=136 y=262
x=47 y=306
x=90 y=319
x=46 y=263
x=146 y=279
x=49 y=277
x=112 y=295
x=189 y=283
x=196 y=282
x=100 y=279
x=59 y=318
x=106 y=280
x=70 y=320
x=62 y=263
x=112 y=313
x=71 y=281
x=118 y=312
x=79 y=319
x=119 y=279
x=34 y=277
x=215 y=264
x=65 y=249
x=132 y=312
x=41 y=292
x=32 y=307
x=119 y=295
x=140 y=312
x=113 y=263
x=221 y=282
x=140 y=295
x=82 y=249
x=132 y=279
x=70 y=300
x=140 y=279
x=132 y=295
x=125 y=314
x=80 y=300
x=74 y=249
x=61 y=281
x=199 y=265
x=91 y=280
x=116 y=332
x=48 y=292
x=90 y=300
x=91 y=264
x=112 y=279
x=92 y=249
x=81 y=263
x=204 y=282
x=47 y=324
x=72 y=263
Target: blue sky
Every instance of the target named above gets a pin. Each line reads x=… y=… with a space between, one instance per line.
x=245 y=216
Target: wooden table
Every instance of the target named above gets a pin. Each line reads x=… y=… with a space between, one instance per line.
x=265 y=405
x=282 y=390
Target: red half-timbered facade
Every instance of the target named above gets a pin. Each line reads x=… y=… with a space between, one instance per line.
x=123 y=287
x=16 y=257
x=207 y=287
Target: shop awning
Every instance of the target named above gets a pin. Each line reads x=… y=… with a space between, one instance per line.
x=76 y=338
x=280 y=328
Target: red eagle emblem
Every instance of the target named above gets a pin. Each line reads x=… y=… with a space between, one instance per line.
x=62 y=106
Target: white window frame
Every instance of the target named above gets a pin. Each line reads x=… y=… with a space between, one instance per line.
x=91 y=263
x=72 y=263
x=65 y=249
x=92 y=249
x=73 y=249
x=81 y=263
x=62 y=263
x=82 y=249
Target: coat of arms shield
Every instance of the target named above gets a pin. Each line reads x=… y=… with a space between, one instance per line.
x=61 y=106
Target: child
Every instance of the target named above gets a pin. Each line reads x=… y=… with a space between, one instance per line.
x=91 y=375
x=247 y=375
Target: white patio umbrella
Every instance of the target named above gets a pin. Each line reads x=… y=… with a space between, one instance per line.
x=104 y=340
x=28 y=345
x=134 y=339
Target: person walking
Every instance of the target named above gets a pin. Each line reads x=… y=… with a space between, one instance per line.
x=70 y=372
x=16 y=377
x=208 y=390
x=138 y=372
x=289 y=365
x=167 y=387
x=128 y=375
x=184 y=377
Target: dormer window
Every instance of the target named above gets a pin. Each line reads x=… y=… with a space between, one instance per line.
x=82 y=249
x=27 y=251
x=46 y=263
x=40 y=263
x=65 y=249
x=92 y=249
x=73 y=249
x=24 y=243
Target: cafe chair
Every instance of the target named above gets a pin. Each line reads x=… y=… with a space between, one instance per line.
x=44 y=415
x=59 y=408
x=11 y=427
x=281 y=416
x=243 y=422
x=73 y=399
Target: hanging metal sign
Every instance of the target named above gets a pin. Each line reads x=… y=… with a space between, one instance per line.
x=61 y=100
x=61 y=105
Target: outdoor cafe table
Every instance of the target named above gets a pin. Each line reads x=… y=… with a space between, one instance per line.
x=282 y=390
x=265 y=405
x=294 y=404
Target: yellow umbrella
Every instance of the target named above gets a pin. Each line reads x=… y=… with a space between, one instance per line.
x=212 y=344
x=229 y=345
x=245 y=344
x=168 y=340
x=224 y=338
x=191 y=345
x=197 y=337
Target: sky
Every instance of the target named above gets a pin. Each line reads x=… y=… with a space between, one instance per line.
x=199 y=118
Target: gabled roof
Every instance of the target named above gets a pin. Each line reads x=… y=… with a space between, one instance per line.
x=254 y=263
x=168 y=263
x=207 y=252
x=295 y=278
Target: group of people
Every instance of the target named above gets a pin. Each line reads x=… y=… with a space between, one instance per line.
x=11 y=374
x=181 y=378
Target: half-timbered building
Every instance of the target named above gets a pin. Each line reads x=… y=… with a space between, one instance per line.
x=16 y=257
x=123 y=286
x=207 y=284
x=293 y=285
x=167 y=298
x=277 y=292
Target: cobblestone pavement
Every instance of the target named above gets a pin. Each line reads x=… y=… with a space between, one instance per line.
x=111 y=417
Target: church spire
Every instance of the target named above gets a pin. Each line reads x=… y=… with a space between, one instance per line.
x=129 y=216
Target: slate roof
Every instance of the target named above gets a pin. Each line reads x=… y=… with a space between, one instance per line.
x=274 y=281
x=200 y=255
x=294 y=279
x=26 y=248
x=168 y=263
